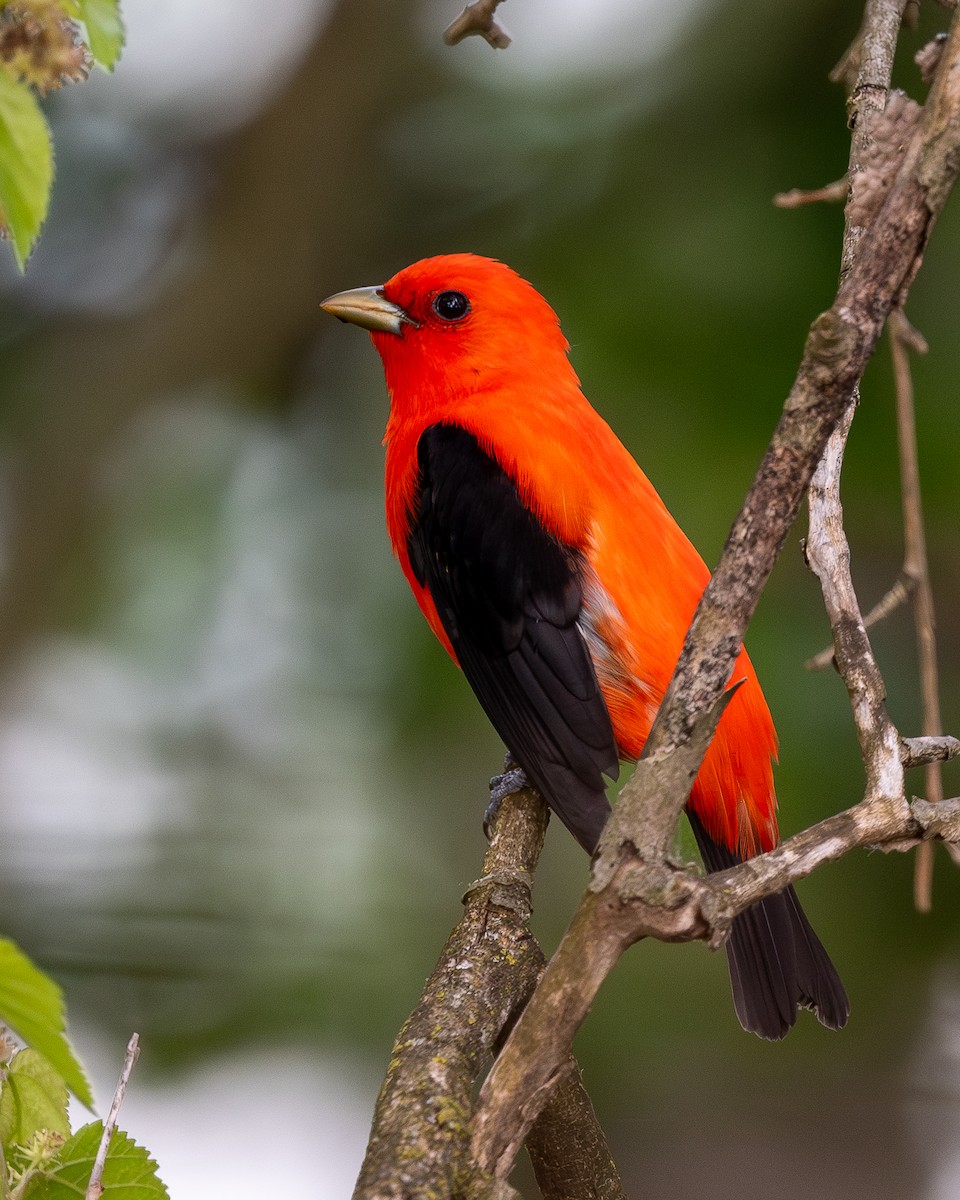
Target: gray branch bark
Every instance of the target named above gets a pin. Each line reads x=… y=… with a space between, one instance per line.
x=420 y=1142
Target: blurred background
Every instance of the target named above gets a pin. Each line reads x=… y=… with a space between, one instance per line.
x=240 y=784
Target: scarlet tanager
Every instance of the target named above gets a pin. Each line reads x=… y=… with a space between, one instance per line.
x=553 y=574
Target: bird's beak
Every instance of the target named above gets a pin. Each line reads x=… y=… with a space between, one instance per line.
x=368 y=308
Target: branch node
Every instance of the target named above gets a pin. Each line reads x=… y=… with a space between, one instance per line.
x=940 y=820
x=715 y=910
x=831 y=341
x=508 y=887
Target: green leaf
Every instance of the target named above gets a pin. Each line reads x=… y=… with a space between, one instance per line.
x=129 y=1173
x=104 y=30
x=33 y=1097
x=26 y=165
x=32 y=1005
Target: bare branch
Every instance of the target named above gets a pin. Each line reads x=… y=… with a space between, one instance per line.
x=828 y=556
x=874 y=43
x=488 y=968
x=669 y=904
x=906 y=582
x=828 y=545
x=570 y=1156
x=640 y=894
x=478 y=18
x=903 y=338
x=941 y=820
x=865 y=70
x=95 y=1186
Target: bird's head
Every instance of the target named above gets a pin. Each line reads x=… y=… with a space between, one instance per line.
x=456 y=322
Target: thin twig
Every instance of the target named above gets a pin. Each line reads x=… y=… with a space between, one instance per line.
x=897 y=595
x=478 y=18
x=903 y=338
x=830 y=193
x=95 y=1186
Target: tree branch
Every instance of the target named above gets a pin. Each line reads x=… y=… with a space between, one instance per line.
x=874 y=124
x=570 y=1156
x=488 y=967
x=635 y=892
x=419 y=1144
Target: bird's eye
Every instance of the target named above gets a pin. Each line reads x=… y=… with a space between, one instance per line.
x=451 y=306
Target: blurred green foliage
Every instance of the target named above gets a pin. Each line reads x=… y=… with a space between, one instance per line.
x=242 y=786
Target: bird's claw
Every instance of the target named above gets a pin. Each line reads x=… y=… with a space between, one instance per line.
x=511 y=780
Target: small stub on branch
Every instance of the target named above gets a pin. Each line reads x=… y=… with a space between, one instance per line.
x=918 y=751
x=478 y=18
x=928 y=58
x=831 y=193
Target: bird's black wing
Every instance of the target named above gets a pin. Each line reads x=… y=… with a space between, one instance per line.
x=509 y=596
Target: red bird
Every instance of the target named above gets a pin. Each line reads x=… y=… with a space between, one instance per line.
x=553 y=574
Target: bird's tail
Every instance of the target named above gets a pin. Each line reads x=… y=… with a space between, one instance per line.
x=777 y=963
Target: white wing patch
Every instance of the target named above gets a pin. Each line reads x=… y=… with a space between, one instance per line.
x=603 y=628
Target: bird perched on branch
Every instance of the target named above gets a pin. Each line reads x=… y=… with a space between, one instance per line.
x=553 y=574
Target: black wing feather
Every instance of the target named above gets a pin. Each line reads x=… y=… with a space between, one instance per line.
x=509 y=596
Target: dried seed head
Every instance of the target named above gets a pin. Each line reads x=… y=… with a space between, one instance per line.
x=42 y=46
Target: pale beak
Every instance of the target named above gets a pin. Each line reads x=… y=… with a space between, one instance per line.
x=368 y=308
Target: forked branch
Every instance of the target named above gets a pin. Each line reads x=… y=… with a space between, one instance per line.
x=634 y=891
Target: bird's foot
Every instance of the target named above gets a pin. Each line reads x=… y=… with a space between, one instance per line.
x=511 y=780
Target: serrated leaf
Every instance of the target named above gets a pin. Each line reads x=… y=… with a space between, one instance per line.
x=26 y=165
x=128 y=1174
x=33 y=1097
x=32 y=1005
x=104 y=30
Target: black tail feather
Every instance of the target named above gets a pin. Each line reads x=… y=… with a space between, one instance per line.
x=777 y=963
